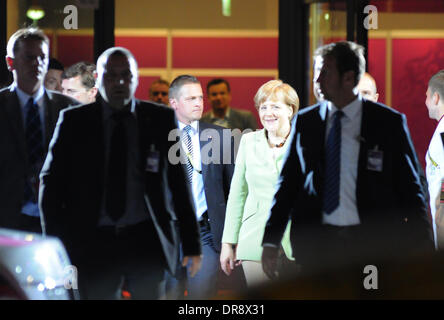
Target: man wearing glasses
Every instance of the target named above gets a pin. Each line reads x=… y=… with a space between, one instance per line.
x=159 y=91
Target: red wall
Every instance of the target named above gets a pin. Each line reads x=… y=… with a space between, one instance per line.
x=413 y=62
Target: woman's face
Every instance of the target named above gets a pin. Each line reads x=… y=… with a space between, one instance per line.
x=275 y=115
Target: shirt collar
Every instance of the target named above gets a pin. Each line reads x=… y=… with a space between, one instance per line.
x=194 y=126
x=108 y=110
x=227 y=114
x=24 y=97
x=350 y=111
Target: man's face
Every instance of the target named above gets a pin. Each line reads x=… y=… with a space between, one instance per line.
x=330 y=82
x=431 y=105
x=159 y=93
x=189 y=105
x=219 y=96
x=317 y=66
x=29 y=64
x=119 y=81
x=53 y=80
x=367 y=89
x=74 y=88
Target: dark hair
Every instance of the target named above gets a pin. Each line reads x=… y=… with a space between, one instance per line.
x=160 y=81
x=348 y=55
x=85 y=70
x=24 y=34
x=218 y=81
x=55 y=64
x=178 y=83
x=436 y=83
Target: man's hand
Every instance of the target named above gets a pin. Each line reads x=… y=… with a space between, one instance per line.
x=196 y=262
x=269 y=261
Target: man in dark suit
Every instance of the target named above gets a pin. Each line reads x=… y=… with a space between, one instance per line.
x=208 y=157
x=110 y=192
x=221 y=113
x=351 y=182
x=28 y=115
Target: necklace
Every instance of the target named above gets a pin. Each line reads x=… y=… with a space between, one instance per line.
x=279 y=145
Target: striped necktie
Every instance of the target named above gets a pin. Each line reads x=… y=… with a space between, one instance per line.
x=34 y=147
x=189 y=145
x=333 y=165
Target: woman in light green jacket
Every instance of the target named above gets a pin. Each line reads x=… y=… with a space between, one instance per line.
x=258 y=165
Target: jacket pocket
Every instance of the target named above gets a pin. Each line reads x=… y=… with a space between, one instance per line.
x=250 y=209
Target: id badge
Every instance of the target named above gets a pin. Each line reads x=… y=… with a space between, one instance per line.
x=152 y=160
x=375 y=159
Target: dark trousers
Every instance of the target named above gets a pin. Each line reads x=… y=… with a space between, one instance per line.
x=130 y=256
x=332 y=247
x=204 y=284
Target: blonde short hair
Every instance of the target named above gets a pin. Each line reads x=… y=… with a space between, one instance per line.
x=277 y=90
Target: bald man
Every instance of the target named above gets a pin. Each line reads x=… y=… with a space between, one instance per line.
x=435 y=155
x=367 y=87
x=317 y=66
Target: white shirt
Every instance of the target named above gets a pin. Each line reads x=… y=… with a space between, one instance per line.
x=347 y=212
x=197 y=184
x=435 y=172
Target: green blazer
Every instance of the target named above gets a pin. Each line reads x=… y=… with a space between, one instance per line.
x=251 y=194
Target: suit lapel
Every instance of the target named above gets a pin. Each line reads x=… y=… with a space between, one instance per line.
x=321 y=123
x=364 y=139
x=145 y=127
x=14 y=114
x=206 y=139
x=49 y=116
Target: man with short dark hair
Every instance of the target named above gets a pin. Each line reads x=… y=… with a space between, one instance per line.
x=79 y=82
x=159 y=91
x=221 y=113
x=209 y=163
x=351 y=182
x=110 y=192
x=28 y=115
x=53 y=78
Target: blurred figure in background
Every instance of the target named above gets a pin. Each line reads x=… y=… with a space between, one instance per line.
x=317 y=66
x=159 y=91
x=435 y=155
x=79 y=82
x=367 y=87
x=53 y=78
x=221 y=113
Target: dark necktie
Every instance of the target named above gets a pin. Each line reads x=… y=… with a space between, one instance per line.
x=117 y=168
x=34 y=147
x=189 y=145
x=333 y=165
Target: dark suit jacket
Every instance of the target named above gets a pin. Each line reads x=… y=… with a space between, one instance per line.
x=238 y=119
x=14 y=167
x=216 y=175
x=391 y=204
x=72 y=181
